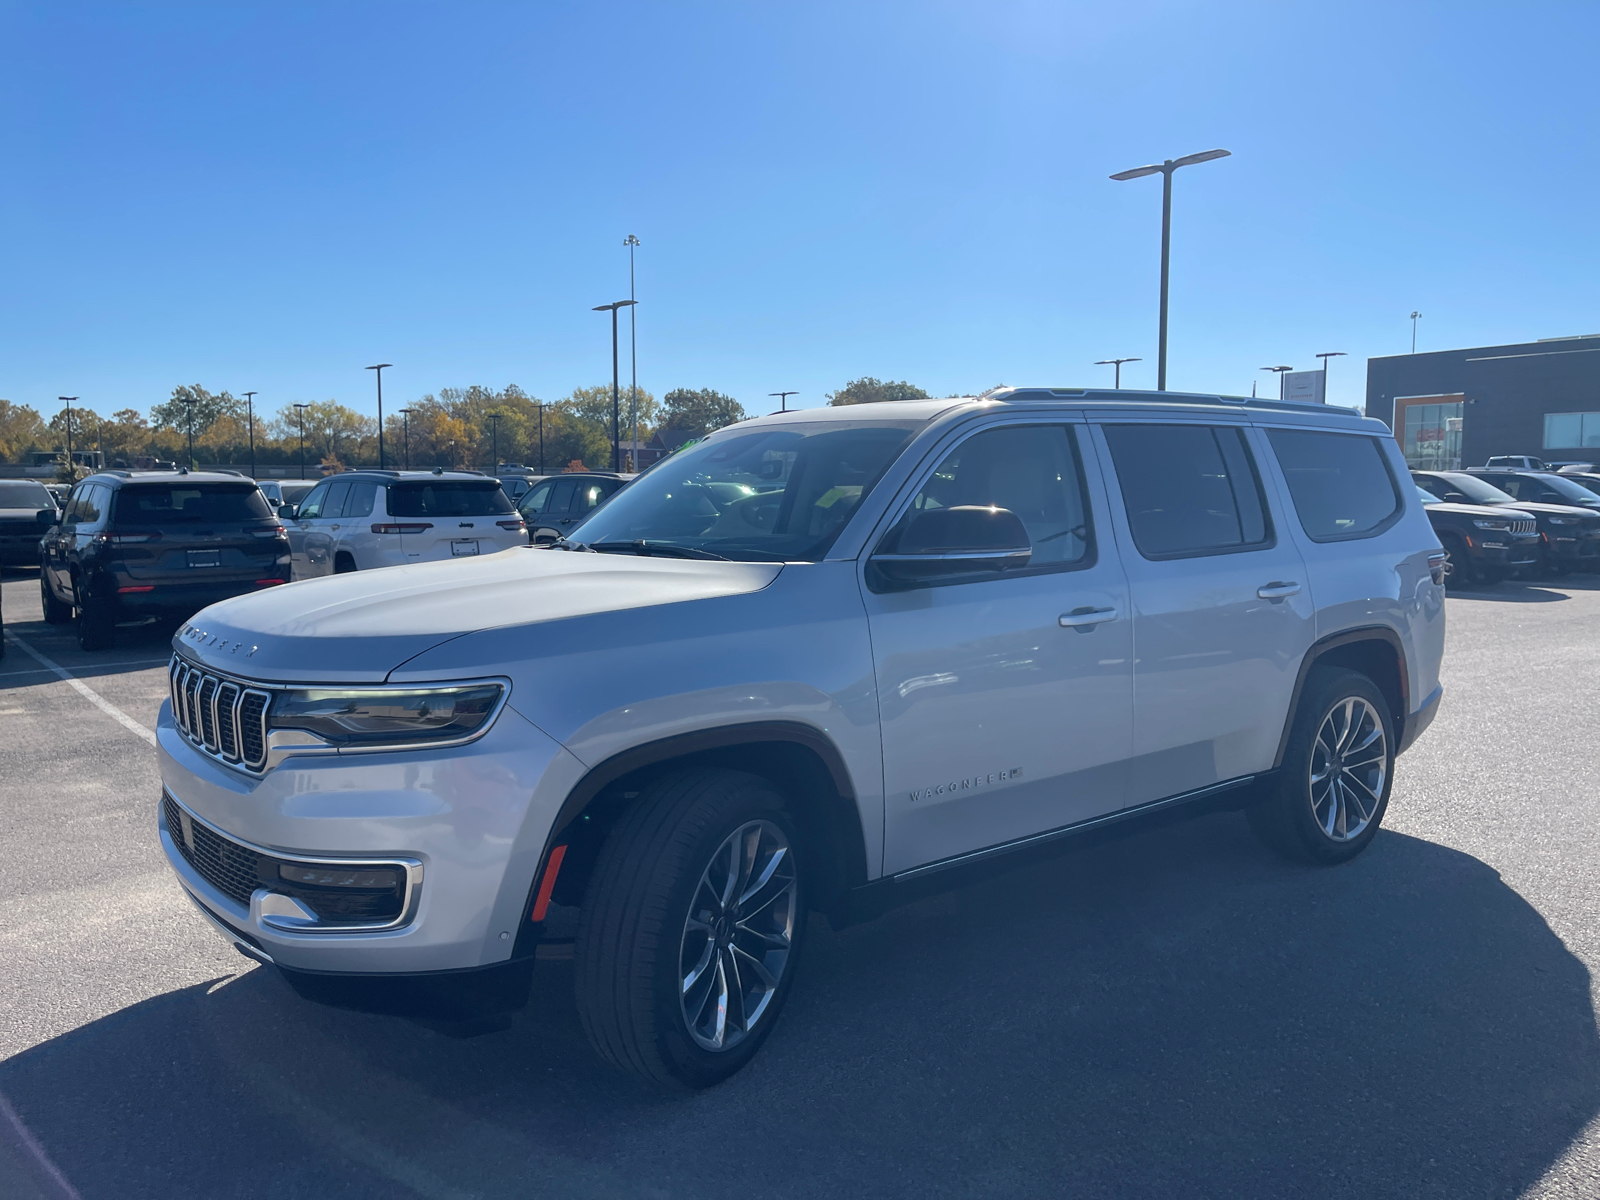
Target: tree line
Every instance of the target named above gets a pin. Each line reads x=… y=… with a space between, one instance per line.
x=451 y=428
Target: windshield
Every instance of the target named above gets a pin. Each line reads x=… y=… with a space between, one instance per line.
x=191 y=504
x=1571 y=490
x=779 y=494
x=1476 y=490
x=448 y=498
x=1428 y=497
x=25 y=494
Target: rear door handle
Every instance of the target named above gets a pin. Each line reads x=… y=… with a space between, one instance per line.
x=1278 y=590
x=1083 y=618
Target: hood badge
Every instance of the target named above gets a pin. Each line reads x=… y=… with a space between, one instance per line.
x=967 y=784
x=206 y=641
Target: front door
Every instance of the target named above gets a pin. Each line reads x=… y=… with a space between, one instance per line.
x=1222 y=607
x=306 y=515
x=1005 y=698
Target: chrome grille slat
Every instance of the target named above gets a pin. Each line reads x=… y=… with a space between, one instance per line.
x=225 y=717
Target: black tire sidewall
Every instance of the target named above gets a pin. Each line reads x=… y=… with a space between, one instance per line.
x=1463 y=571
x=688 y=1061
x=1325 y=689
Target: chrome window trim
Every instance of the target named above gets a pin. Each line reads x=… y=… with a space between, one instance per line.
x=412 y=867
x=189 y=678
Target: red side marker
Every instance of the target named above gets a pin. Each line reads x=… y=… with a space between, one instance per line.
x=541 y=903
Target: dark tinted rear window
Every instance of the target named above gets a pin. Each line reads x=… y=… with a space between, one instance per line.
x=1188 y=489
x=1339 y=482
x=448 y=498
x=191 y=504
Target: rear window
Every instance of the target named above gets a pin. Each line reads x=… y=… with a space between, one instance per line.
x=448 y=498
x=1339 y=482
x=1188 y=489
x=21 y=494
x=191 y=504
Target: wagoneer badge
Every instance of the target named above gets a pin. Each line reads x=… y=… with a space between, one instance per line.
x=972 y=781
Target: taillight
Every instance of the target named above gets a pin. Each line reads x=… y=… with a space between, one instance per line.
x=275 y=531
x=512 y=524
x=269 y=582
x=124 y=539
x=416 y=528
x=1438 y=566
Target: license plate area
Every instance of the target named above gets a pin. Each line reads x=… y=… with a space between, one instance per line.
x=203 y=558
x=463 y=549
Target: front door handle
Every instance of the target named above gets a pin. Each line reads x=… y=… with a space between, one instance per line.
x=1278 y=590
x=1084 y=618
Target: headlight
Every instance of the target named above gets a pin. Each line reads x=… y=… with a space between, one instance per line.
x=1486 y=523
x=372 y=718
x=1563 y=520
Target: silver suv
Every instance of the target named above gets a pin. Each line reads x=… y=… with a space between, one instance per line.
x=820 y=661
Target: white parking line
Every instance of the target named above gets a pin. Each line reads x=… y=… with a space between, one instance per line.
x=84 y=690
x=29 y=1146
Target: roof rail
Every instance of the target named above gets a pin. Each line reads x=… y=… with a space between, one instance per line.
x=1135 y=395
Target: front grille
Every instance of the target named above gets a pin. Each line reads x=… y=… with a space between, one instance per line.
x=225 y=717
x=237 y=871
x=1528 y=526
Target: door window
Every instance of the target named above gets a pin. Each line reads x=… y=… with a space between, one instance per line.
x=312 y=508
x=537 y=500
x=1031 y=470
x=333 y=506
x=91 y=506
x=590 y=496
x=1339 y=482
x=1189 y=489
x=360 y=500
x=561 y=497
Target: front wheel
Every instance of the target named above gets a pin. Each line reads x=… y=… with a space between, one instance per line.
x=97 y=622
x=55 y=612
x=1331 y=792
x=690 y=931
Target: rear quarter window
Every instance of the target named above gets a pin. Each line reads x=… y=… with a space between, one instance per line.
x=1340 y=483
x=448 y=498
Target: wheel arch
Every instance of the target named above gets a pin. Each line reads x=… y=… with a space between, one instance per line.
x=1377 y=652
x=797 y=759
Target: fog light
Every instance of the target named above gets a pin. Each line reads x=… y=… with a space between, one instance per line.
x=359 y=877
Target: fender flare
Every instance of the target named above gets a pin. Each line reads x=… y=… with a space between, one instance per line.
x=1348 y=637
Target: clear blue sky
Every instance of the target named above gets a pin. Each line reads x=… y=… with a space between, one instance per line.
x=272 y=196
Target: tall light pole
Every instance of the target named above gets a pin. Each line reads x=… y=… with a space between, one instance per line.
x=494 y=443
x=616 y=391
x=67 y=400
x=783 y=399
x=1278 y=371
x=300 y=411
x=1116 y=362
x=379 y=369
x=405 y=421
x=188 y=404
x=540 y=407
x=1325 y=358
x=250 y=412
x=1165 y=170
x=1415 y=315
x=632 y=243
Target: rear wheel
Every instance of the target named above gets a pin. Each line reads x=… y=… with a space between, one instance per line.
x=1331 y=792
x=55 y=612
x=689 y=933
x=97 y=622
x=343 y=563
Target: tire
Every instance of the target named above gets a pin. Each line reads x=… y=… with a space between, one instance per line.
x=343 y=563
x=1305 y=821
x=97 y=623
x=55 y=612
x=1463 y=571
x=650 y=921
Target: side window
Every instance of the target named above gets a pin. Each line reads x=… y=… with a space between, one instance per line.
x=1189 y=490
x=312 y=505
x=333 y=506
x=362 y=494
x=1340 y=483
x=537 y=500
x=1434 y=485
x=561 y=496
x=76 y=505
x=589 y=497
x=1031 y=470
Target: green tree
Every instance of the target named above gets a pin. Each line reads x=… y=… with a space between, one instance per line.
x=699 y=410
x=206 y=408
x=21 y=431
x=331 y=430
x=868 y=390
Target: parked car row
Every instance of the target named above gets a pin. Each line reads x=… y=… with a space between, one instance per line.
x=1497 y=521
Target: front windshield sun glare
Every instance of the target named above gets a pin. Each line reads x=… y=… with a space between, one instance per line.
x=776 y=494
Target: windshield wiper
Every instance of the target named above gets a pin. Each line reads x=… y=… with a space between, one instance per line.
x=649 y=549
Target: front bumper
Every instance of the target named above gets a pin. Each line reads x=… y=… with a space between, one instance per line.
x=472 y=819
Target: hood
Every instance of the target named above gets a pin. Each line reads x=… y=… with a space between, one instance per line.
x=1503 y=511
x=361 y=626
x=1551 y=510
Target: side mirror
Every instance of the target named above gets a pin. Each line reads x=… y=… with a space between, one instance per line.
x=47 y=516
x=944 y=542
x=286 y=512
x=1456 y=498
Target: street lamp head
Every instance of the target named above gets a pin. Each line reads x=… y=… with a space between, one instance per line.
x=1331 y=354
x=630 y=240
x=1111 y=362
x=613 y=307
x=379 y=366
x=1280 y=370
x=1188 y=160
x=1137 y=173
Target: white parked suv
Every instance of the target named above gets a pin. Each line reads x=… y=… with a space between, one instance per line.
x=822 y=660
x=359 y=520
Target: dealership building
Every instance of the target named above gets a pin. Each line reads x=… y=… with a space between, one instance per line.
x=1454 y=408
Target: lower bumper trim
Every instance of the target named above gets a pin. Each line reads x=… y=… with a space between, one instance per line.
x=473 y=994
x=1418 y=721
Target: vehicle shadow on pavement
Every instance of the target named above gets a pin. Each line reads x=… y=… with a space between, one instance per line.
x=1515 y=592
x=1175 y=1014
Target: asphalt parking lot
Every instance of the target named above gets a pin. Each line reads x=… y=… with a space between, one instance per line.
x=1174 y=1014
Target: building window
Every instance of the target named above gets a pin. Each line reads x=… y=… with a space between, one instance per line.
x=1571 y=431
x=1431 y=438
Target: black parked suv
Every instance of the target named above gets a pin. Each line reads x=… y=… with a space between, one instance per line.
x=555 y=505
x=1569 y=535
x=1485 y=544
x=153 y=543
x=27 y=509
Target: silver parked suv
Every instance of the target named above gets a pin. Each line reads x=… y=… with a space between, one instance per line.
x=819 y=661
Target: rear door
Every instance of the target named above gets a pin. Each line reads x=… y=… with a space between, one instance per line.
x=556 y=517
x=1222 y=608
x=354 y=534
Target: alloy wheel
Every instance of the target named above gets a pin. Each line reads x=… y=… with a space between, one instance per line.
x=738 y=935
x=1349 y=763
